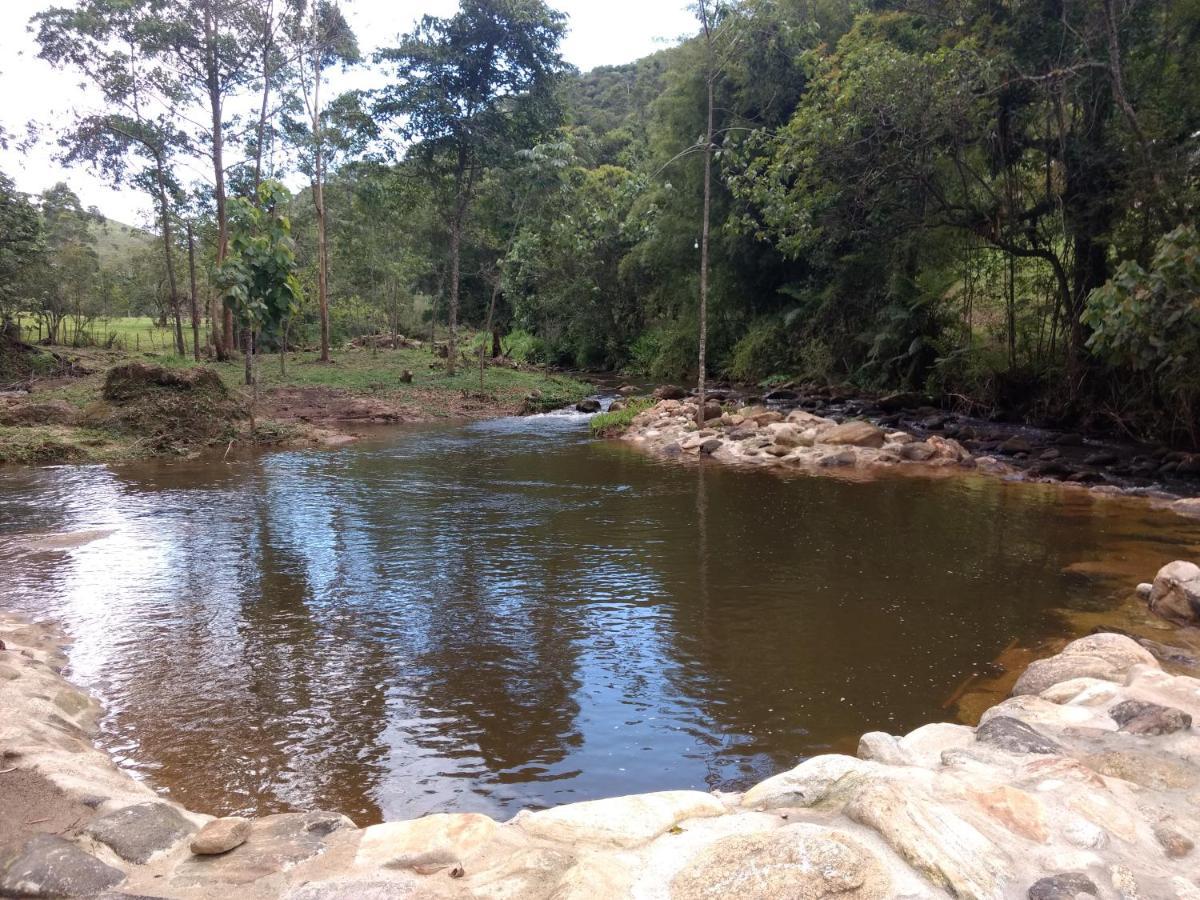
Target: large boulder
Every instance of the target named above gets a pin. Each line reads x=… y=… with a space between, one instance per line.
x=136 y=833
x=855 y=434
x=1175 y=594
x=1109 y=657
x=46 y=865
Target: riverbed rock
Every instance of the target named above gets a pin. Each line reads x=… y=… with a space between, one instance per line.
x=275 y=843
x=798 y=862
x=621 y=821
x=1066 y=886
x=45 y=865
x=918 y=451
x=933 y=838
x=1141 y=717
x=854 y=433
x=137 y=832
x=1016 y=444
x=1174 y=842
x=1175 y=594
x=1015 y=736
x=1110 y=657
x=220 y=836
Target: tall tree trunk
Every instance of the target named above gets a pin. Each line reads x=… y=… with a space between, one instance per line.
x=168 y=251
x=268 y=23
x=319 y=198
x=452 y=311
x=215 y=107
x=704 y=227
x=195 y=300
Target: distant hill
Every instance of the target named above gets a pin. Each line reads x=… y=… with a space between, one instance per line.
x=116 y=242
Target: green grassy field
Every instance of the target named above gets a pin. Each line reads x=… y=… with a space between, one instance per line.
x=130 y=333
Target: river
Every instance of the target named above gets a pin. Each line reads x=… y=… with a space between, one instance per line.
x=508 y=613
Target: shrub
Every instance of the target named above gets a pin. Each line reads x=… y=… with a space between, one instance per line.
x=610 y=424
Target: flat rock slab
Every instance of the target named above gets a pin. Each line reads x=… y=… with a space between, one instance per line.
x=275 y=843
x=45 y=865
x=136 y=833
x=429 y=843
x=358 y=890
x=623 y=821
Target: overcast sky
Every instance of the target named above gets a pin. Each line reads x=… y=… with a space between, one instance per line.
x=602 y=32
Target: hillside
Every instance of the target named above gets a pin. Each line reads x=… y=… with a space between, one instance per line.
x=116 y=241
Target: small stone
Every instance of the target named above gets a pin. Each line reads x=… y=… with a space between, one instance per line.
x=1014 y=736
x=1067 y=886
x=1140 y=717
x=1174 y=843
x=221 y=836
x=1125 y=884
x=46 y=865
x=136 y=833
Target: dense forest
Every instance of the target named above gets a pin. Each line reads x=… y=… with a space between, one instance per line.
x=990 y=201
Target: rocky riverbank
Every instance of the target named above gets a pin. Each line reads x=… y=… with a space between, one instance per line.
x=762 y=435
x=1085 y=783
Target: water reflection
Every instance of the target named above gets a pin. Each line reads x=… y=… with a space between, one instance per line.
x=507 y=614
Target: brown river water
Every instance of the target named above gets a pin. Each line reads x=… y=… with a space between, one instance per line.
x=508 y=614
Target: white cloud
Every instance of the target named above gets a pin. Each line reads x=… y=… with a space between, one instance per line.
x=601 y=33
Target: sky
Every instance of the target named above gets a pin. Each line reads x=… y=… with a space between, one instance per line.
x=601 y=32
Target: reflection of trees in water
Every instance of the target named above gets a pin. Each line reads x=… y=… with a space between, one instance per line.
x=494 y=658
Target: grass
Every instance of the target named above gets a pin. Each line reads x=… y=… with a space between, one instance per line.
x=134 y=334
x=610 y=424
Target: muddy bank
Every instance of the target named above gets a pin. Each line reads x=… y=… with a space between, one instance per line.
x=1084 y=783
x=120 y=409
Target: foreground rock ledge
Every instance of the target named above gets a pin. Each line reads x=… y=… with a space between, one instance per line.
x=1086 y=783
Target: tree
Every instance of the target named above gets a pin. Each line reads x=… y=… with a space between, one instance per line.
x=67 y=275
x=213 y=48
x=103 y=39
x=471 y=89
x=321 y=38
x=258 y=278
x=21 y=242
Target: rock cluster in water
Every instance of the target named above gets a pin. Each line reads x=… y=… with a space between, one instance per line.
x=1085 y=783
x=762 y=436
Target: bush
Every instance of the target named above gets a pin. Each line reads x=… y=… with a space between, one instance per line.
x=609 y=424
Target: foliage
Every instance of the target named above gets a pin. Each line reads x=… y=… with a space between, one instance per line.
x=609 y=424
x=258 y=279
x=1148 y=320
